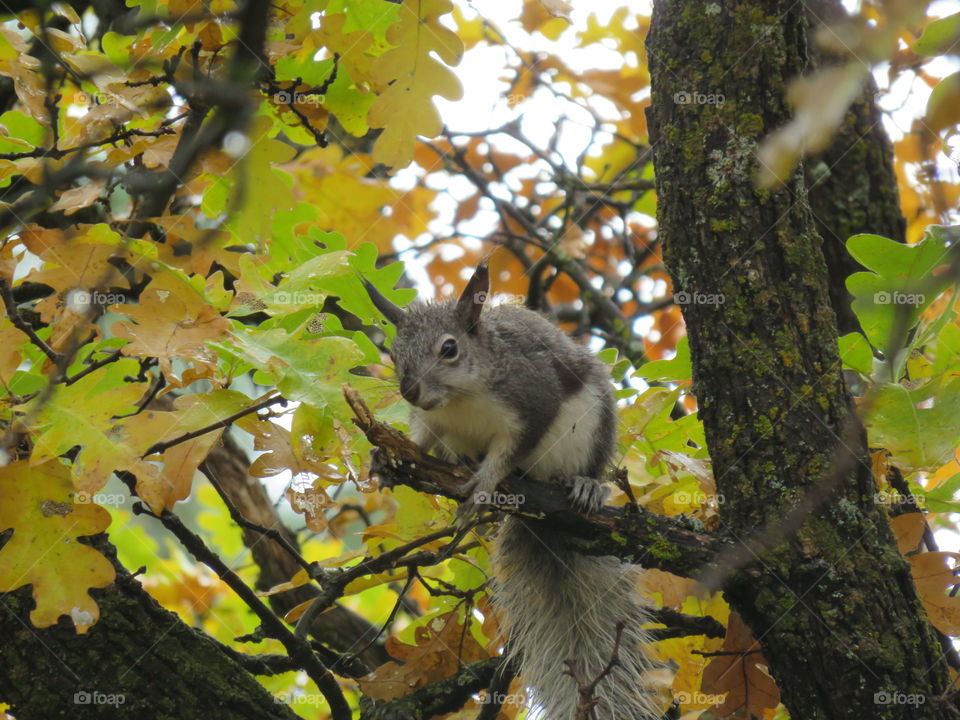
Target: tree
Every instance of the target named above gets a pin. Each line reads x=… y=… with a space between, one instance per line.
x=197 y=409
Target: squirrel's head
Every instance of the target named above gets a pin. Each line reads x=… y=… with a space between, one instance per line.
x=436 y=351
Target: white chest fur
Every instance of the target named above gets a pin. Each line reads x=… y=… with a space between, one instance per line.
x=469 y=426
x=567 y=446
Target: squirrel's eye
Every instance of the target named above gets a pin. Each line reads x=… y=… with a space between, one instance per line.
x=448 y=349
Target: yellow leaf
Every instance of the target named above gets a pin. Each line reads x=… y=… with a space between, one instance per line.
x=300 y=578
x=294 y=614
x=405 y=108
x=365 y=583
x=43 y=551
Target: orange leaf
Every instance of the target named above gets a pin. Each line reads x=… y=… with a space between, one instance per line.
x=742 y=676
x=934 y=576
x=442 y=645
x=908 y=529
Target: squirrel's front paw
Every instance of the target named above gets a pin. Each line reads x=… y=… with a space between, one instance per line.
x=477 y=500
x=586 y=494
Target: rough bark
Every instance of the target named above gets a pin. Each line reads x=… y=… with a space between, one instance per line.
x=139 y=660
x=834 y=605
x=851 y=186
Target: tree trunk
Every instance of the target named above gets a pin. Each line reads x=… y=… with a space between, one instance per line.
x=831 y=600
x=139 y=660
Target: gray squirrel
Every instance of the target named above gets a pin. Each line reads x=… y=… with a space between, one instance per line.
x=504 y=387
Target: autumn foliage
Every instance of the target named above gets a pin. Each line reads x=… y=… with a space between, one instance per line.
x=192 y=196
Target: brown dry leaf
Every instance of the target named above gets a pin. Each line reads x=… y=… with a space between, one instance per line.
x=82 y=266
x=442 y=646
x=908 y=529
x=11 y=340
x=167 y=325
x=558 y=8
x=309 y=501
x=743 y=677
x=673 y=588
x=78 y=198
x=180 y=465
x=934 y=576
x=158 y=151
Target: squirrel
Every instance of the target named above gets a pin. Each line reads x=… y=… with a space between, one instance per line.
x=504 y=387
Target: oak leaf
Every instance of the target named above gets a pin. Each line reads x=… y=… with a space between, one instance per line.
x=38 y=503
x=412 y=76
x=935 y=578
x=742 y=675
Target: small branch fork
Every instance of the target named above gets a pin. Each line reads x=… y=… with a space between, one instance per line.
x=586 y=708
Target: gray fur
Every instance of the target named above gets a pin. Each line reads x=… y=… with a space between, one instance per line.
x=516 y=380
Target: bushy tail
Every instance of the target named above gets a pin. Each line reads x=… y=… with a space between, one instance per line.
x=560 y=605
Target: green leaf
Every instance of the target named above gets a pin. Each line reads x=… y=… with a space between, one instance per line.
x=353 y=295
x=856 y=354
x=904 y=279
x=24 y=132
x=306 y=370
x=349 y=104
x=309 y=71
x=117 y=48
x=677 y=369
x=940 y=37
x=943 y=105
x=83 y=414
x=918 y=437
x=374 y=16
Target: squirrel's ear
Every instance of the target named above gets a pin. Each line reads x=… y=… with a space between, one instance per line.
x=474 y=296
x=391 y=312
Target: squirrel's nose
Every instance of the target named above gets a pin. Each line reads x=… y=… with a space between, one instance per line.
x=410 y=390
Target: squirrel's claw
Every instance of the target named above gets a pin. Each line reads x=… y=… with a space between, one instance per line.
x=476 y=501
x=586 y=494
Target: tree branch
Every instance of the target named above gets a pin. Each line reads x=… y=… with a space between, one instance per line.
x=675 y=544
